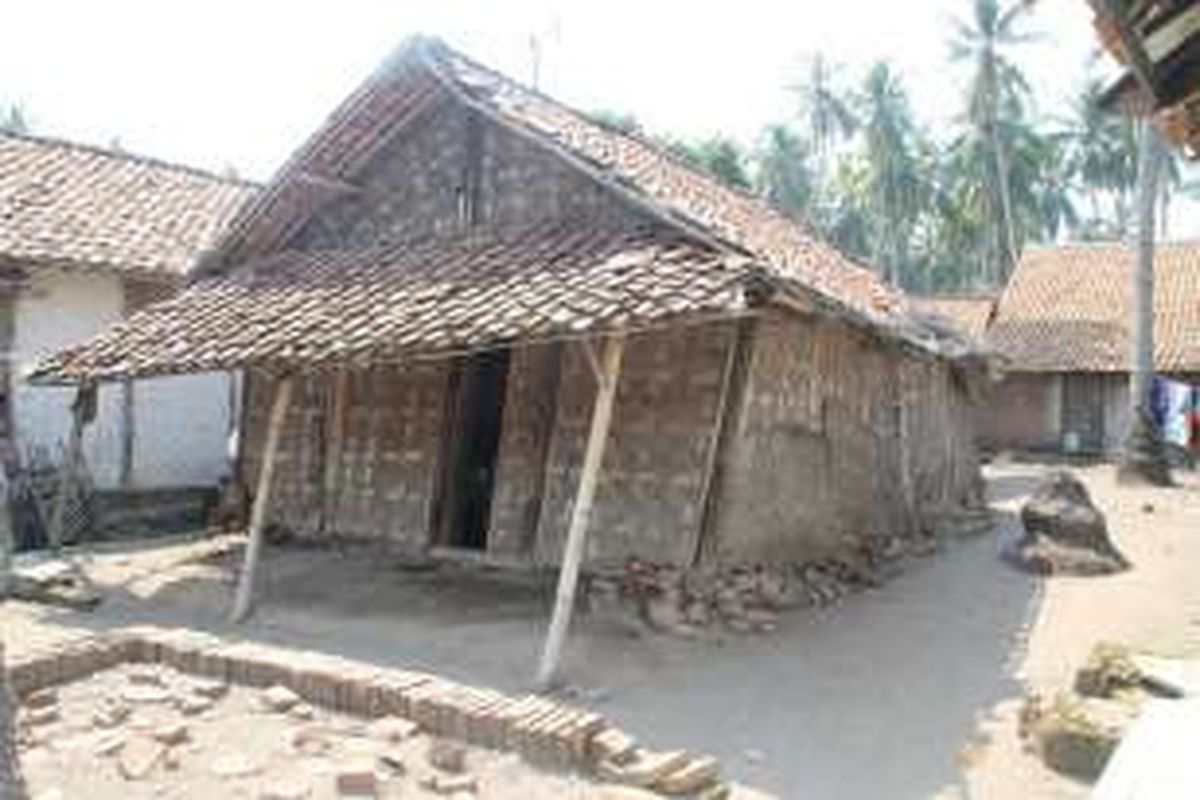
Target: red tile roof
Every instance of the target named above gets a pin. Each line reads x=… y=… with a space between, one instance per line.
x=420 y=299
x=73 y=204
x=1069 y=309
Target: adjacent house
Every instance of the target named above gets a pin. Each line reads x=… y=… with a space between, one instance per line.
x=87 y=237
x=434 y=296
x=1061 y=333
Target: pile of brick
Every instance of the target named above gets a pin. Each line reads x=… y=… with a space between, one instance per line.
x=544 y=732
x=748 y=597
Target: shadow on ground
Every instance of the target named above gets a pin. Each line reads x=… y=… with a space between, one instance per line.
x=873 y=698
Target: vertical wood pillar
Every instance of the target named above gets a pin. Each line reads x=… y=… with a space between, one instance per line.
x=82 y=410
x=568 y=576
x=262 y=499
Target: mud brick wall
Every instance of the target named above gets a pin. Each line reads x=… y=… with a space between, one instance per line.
x=417 y=186
x=815 y=455
x=530 y=409
x=386 y=468
x=940 y=414
x=832 y=428
x=649 y=499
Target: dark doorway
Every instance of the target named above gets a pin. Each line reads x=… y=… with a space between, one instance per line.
x=476 y=441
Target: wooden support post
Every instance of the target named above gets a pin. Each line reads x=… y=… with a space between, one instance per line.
x=127 y=434
x=82 y=411
x=568 y=576
x=262 y=498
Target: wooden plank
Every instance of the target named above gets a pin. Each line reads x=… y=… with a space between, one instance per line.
x=262 y=498
x=568 y=576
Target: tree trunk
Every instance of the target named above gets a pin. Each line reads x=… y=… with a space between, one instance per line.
x=1144 y=457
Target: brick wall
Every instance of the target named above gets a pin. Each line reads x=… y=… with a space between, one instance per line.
x=417 y=186
x=649 y=500
x=819 y=455
x=388 y=461
x=1023 y=412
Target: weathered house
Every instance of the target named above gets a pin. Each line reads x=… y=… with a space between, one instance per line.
x=1061 y=334
x=87 y=237
x=420 y=287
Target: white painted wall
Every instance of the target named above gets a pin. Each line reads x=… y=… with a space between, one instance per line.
x=180 y=422
x=180 y=427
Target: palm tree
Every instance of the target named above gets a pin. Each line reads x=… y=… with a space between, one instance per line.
x=784 y=174
x=998 y=92
x=1143 y=457
x=888 y=151
x=826 y=111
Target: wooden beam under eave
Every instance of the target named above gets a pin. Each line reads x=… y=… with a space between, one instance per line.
x=593 y=457
x=262 y=498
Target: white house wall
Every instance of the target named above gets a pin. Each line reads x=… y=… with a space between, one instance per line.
x=180 y=423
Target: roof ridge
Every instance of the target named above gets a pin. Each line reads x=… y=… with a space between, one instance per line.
x=123 y=155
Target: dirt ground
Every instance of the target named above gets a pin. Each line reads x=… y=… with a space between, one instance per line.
x=905 y=691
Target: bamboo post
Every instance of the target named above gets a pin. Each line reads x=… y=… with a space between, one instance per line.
x=568 y=576
x=262 y=498
x=70 y=466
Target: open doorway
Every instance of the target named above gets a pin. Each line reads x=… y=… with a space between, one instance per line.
x=471 y=476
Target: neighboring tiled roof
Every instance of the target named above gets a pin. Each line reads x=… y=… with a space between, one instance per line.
x=1070 y=308
x=968 y=314
x=424 y=68
x=421 y=299
x=72 y=204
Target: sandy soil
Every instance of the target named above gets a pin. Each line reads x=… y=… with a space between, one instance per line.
x=238 y=748
x=906 y=691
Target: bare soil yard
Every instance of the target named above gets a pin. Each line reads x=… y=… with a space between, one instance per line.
x=905 y=691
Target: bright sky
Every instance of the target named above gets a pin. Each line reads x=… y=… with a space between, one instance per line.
x=241 y=82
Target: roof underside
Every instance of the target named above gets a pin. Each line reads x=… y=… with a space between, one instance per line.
x=73 y=205
x=1067 y=309
x=417 y=300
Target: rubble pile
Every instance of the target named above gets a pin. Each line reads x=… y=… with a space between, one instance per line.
x=749 y=597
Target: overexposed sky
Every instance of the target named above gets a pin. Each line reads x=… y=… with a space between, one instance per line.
x=240 y=83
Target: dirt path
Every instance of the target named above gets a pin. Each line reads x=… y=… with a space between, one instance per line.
x=890 y=694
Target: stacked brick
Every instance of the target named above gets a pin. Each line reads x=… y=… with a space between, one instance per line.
x=541 y=730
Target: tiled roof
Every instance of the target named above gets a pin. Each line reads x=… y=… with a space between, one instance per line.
x=424 y=68
x=1069 y=309
x=419 y=299
x=968 y=314
x=72 y=204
